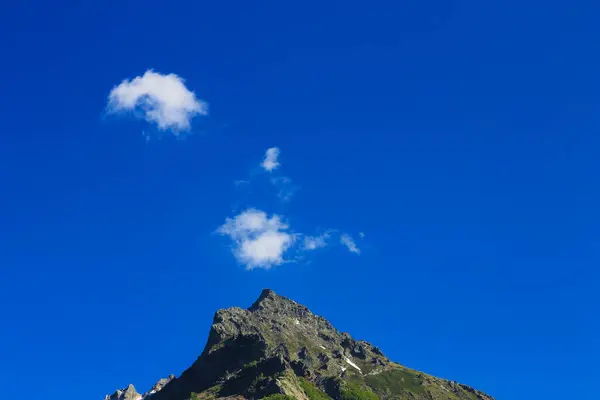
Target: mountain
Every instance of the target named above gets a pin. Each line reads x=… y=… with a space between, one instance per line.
x=278 y=349
x=129 y=393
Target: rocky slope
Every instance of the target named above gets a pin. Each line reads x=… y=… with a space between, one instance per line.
x=278 y=348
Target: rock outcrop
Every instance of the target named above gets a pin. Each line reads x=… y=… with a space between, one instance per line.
x=129 y=393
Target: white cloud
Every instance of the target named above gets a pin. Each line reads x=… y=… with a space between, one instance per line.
x=259 y=241
x=263 y=241
x=315 y=242
x=270 y=163
x=347 y=241
x=161 y=99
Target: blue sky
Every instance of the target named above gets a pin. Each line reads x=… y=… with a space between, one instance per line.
x=460 y=137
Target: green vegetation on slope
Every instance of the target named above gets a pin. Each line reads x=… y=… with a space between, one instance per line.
x=396 y=381
x=353 y=391
x=251 y=364
x=312 y=391
x=209 y=394
x=278 y=397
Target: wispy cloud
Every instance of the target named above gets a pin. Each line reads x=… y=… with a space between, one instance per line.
x=347 y=241
x=285 y=188
x=315 y=242
x=259 y=241
x=241 y=182
x=160 y=99
x=271 y=162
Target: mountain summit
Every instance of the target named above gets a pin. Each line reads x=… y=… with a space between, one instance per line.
x=278 y=349
x=129 y=393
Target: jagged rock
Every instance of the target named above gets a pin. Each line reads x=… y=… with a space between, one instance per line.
x=279 y=346
x=130 y=393
x=158 y=386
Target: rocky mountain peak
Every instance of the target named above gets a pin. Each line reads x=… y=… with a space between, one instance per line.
x=269 y=301
x=129 y=393
x=266 y=293
x=277 y=346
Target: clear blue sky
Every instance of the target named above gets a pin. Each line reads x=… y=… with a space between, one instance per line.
x=461 y=137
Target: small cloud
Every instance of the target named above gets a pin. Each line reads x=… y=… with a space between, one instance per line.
x=315 y=242
x=361 y=235
x=347 y=241
x=285 y=188
x=160 y=99
x=259 y=241
x=270 y=162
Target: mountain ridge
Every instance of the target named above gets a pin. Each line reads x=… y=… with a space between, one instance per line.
x=278 y=347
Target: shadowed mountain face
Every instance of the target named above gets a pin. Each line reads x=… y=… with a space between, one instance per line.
x=278 y=348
